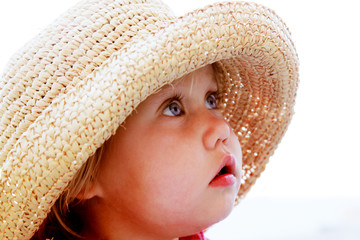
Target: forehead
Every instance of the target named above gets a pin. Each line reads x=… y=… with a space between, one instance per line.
x=190 y=87
x=203 y=78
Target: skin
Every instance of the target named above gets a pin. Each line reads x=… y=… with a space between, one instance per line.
x=154 y=178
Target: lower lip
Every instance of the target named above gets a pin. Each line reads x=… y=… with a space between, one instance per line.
x=223 y=180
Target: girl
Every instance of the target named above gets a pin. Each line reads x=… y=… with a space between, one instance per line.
x=122 y=121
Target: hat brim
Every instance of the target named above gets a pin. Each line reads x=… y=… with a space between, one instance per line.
x=257 y=68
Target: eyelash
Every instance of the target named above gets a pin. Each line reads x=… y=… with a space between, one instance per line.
x=177 y=99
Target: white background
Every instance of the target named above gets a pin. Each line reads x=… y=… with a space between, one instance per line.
x=310 y=189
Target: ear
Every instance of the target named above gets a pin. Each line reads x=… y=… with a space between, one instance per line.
x=91 y=191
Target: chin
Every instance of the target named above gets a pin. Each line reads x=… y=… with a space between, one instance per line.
x=203 y=219
x=226 y=212
x=223 y=211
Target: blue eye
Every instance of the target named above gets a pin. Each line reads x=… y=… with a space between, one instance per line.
x=210 y=102
x=173 y=110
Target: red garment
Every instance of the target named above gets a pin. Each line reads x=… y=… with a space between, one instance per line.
x=198 y=236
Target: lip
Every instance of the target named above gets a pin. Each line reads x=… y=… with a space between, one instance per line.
x=226 y=173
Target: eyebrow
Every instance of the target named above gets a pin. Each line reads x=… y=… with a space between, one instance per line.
x=170 y=91
x=166 y=90
x=162 y=94
x=164 y=98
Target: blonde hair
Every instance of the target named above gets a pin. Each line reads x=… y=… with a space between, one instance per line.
x=79 y=185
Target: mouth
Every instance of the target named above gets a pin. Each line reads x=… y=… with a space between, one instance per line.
x=226 y=174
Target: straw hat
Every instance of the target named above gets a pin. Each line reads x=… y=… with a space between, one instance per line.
x=67 y=91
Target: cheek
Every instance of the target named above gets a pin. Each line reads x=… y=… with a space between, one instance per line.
x=156 y=161
x=236 y=147
x=160 y=177
x=170 y=167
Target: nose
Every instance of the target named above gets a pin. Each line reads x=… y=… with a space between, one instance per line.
x=216 y=130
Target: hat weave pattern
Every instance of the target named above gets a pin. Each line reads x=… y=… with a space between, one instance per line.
x=68 y=90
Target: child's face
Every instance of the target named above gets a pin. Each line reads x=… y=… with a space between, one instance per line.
x=159 y=172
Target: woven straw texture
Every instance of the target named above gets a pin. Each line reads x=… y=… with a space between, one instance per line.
x=68 y=90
